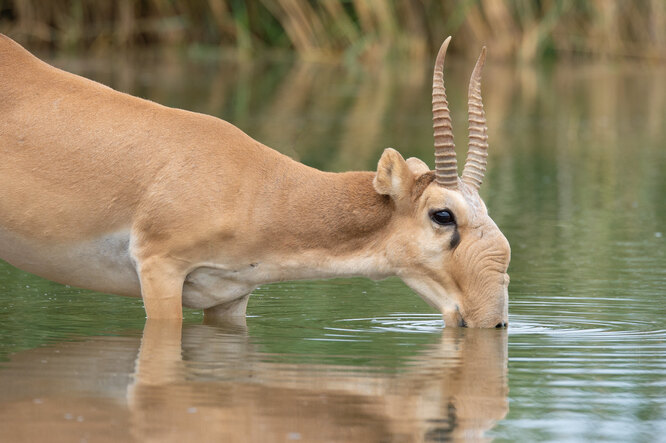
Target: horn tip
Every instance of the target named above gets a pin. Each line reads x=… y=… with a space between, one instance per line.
x=483 y=54
x=480 y=62
x=445 y=45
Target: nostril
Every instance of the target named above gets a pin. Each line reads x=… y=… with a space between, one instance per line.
x=501 y=325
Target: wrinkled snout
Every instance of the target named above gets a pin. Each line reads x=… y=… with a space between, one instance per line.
x=483 y=282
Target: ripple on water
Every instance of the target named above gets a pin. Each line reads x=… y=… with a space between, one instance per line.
x=578 y=328
x=410 y=323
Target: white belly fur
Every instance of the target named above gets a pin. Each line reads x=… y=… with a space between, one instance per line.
x=106 y=265
x=103 y=264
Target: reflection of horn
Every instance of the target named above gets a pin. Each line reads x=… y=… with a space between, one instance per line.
x=477 y=152
x=446 y=167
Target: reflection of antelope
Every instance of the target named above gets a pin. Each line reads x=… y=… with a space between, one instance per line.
x=106 y=191
x=215 y=385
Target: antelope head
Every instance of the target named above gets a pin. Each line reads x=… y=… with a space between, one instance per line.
x=443 y=243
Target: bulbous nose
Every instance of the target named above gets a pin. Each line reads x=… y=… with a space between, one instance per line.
x=502 y=325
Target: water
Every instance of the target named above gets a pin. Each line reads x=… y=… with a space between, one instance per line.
x=576 y=182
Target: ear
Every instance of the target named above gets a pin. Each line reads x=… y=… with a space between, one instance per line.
x=417 y=166
x=393 y=175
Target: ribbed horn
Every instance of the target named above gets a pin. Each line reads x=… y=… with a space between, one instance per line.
x=446 y=167
x=477 y=152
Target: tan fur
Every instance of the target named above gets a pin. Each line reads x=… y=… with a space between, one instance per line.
x=110 y=192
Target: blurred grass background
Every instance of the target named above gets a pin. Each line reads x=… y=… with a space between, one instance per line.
x=365 y=30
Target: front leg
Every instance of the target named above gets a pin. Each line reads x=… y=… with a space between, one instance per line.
x=162 y=287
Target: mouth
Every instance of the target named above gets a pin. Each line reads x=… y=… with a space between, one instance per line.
x=454 y=319
x=461 y=320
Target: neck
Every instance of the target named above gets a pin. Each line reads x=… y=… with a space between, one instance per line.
x=330 y=225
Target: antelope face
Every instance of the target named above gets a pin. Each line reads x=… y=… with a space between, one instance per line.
x=460 y=258
x=443 y=244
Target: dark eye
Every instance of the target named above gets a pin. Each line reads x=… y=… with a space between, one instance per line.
x=444 y=217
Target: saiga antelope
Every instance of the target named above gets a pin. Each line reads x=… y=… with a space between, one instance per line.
x=105 y=191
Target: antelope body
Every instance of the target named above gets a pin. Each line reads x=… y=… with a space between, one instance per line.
x=105 y=191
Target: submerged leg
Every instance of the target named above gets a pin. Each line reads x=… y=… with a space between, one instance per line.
x=229 y=312
x=162 y=288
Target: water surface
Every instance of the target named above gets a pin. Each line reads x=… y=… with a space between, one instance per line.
x=576 y=182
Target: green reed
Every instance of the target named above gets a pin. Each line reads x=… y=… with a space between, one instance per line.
x=354 y=29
